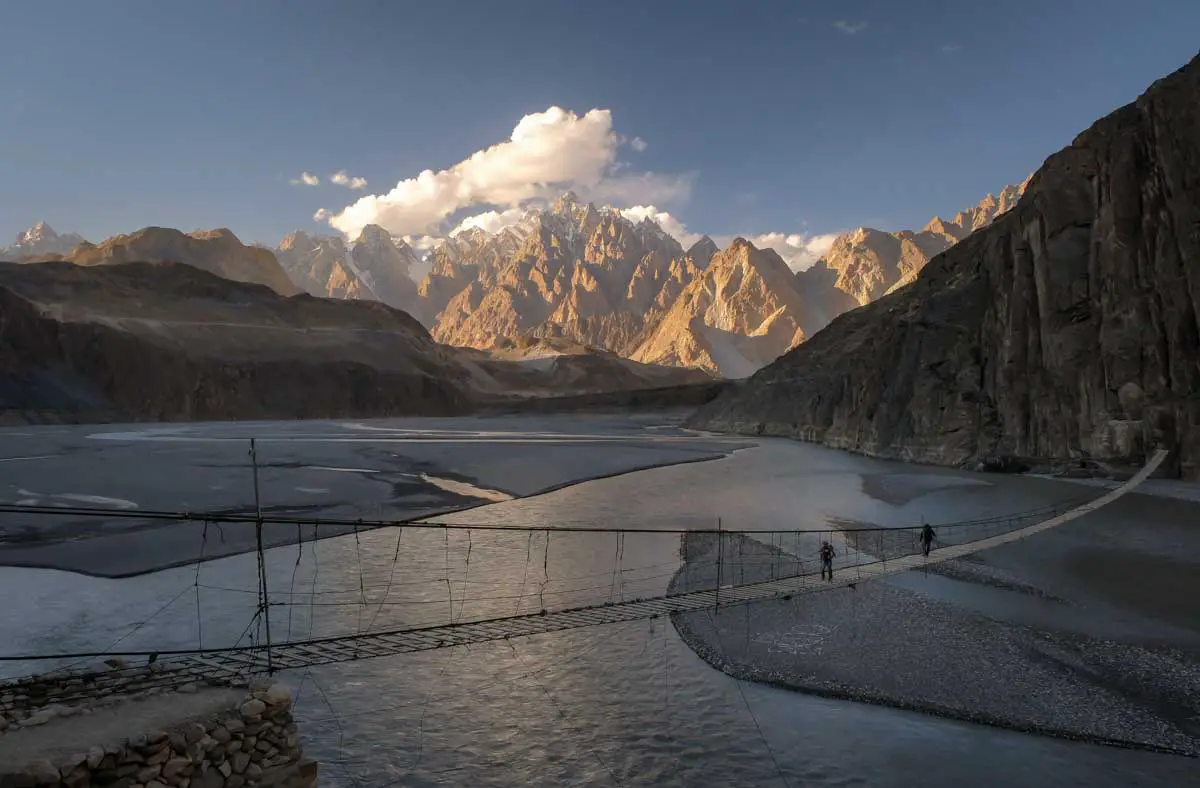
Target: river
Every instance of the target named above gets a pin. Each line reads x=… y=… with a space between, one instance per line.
x=624 y=704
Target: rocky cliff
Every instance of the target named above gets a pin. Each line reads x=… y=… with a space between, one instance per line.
x=1067 y=328
x=216 y=251
x=742 y=312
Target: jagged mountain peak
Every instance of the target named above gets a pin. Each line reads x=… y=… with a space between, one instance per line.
x=373 y=233
x=764 y=262
x=374 y=266
x=298 y=239
x=38 y=232
x=741 y=312
x=868 y=263
x=567 y=202
x=701 y=252
x=41 y=239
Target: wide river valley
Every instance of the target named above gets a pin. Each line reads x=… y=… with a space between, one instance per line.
x=621 y=704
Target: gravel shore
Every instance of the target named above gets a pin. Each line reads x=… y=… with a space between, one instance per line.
x=1091 y=651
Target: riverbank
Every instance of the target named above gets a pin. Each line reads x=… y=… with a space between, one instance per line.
x=393 y=469
x=1084 y=632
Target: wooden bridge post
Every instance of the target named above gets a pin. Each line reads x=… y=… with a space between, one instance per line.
x=262 y=562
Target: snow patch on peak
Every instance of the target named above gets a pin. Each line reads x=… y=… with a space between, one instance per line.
x=41 y=239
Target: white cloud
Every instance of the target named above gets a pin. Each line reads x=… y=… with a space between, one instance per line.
x=798 y=250
x=645 y=187
x=322 y=215
x=850 y=28
x=669 y=223
x=547 y=153
x=638 y=144
x=490 y=221
x=306 y=178
x=950 y=48
x=342 y=179
x=424 y=243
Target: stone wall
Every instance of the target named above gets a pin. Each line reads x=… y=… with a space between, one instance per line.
x=189 y=737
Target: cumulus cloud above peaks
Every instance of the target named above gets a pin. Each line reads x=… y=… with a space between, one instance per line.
x=547 y=153
x=490 y=221
x=669 y=223
x=307 y=179
x=798 y=250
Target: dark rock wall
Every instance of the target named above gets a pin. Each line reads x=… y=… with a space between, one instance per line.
x=1065 y=329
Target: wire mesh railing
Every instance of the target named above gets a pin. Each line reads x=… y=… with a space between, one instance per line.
x=389 y=575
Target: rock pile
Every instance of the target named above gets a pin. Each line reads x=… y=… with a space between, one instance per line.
x=254 y=744
x=37 y=700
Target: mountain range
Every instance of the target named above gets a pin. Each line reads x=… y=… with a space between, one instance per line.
x=573 y=272
x=1055 y=322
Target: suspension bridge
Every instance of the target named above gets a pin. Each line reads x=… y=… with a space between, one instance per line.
x=867 y=555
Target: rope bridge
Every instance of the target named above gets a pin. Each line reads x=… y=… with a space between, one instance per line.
x=689 y=570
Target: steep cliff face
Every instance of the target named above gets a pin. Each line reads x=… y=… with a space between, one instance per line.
x=216 y=251
x=742 y=312
x=1067 y=328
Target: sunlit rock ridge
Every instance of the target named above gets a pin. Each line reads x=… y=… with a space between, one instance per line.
x=574 y=272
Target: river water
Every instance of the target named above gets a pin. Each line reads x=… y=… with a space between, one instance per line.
x=625 y=704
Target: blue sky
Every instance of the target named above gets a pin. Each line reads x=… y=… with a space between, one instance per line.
x=791 y=117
